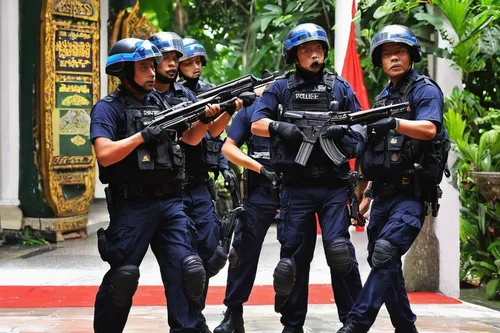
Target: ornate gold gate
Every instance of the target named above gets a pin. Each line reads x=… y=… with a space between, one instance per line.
x=69 y=86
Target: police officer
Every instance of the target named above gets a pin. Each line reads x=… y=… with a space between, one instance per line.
x=200 y=159
x=190 y=68
x=191 y=64
x=261 y=204
x=319 y=187
x=393 y=159
x=144 y=167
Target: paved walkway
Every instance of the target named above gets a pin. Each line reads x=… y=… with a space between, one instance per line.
x=460 y=318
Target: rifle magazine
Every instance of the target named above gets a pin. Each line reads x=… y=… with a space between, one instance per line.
x=332 y=151
x=304 y=153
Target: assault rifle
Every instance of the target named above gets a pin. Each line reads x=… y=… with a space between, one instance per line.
x=234 y=88
x=314 y=125
x=185 y=113
x=224 y=95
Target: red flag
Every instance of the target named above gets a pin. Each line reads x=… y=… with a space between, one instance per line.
x=351 y=71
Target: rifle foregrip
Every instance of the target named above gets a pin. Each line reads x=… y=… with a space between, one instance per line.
x=332 y=151
x=304 y=153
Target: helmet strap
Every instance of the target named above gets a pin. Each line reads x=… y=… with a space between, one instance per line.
x=164 y=79
x=191 y=83
x=130 y=77
x=308 y=75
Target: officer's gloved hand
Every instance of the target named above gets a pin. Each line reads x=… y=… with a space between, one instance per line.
x=286 y=131
x=381 y=127
x=210 y=112
x=154 y=134
x=336 y=131
x=271 y=175
x=230 y=179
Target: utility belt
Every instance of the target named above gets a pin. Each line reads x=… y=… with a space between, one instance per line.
x=308 y=175
x=131 y=191
x=404 y=186
x=192 y=182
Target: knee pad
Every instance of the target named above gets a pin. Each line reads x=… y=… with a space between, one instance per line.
x=193 y=277
x=124 y=282
x=284 y=280
x=216 y=262
x=233 y=258
x=383 y=253
x=284 y=277
x=338 y=256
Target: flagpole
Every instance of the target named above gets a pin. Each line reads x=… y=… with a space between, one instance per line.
x=343 y=18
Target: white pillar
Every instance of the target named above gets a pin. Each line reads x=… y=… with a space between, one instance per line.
x=343 y=19
x=10 y=214
x=447 y=226
x=104 y=15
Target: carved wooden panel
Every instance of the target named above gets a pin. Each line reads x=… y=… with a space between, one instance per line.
x=69 y=84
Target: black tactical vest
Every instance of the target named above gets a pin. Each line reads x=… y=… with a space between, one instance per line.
x=397 y=155
x=147 y=164
x=205 y=156
x=304 y=97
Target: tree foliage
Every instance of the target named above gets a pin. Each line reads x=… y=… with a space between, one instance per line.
x=240 y=36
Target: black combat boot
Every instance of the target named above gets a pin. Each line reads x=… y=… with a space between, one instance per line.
x=203 y=328
x=412 y=329
x=350 y=328
x=292 y=329
x=232 y=322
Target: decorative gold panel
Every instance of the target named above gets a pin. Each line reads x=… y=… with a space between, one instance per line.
x=69 y=86
x=129 y=24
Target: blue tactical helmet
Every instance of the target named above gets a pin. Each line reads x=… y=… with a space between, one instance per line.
x=167 y=42
x=394 y=34
x=301 y=34
x=194 y=48
x=129 y=50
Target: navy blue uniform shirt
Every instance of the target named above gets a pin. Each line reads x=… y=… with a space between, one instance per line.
x=108 y=119
x=427 y=100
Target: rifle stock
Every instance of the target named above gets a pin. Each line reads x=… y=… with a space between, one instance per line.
x=314 y=125
x=228 y=224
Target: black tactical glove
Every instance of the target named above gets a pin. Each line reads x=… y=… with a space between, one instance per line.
x=204 y=118
x=154 y=134
x=271 y=175
x=230 y=179
x=336 y=131
x=286 y=131
x=382 y=127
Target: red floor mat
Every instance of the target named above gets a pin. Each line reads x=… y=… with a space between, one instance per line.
x=84 y=296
